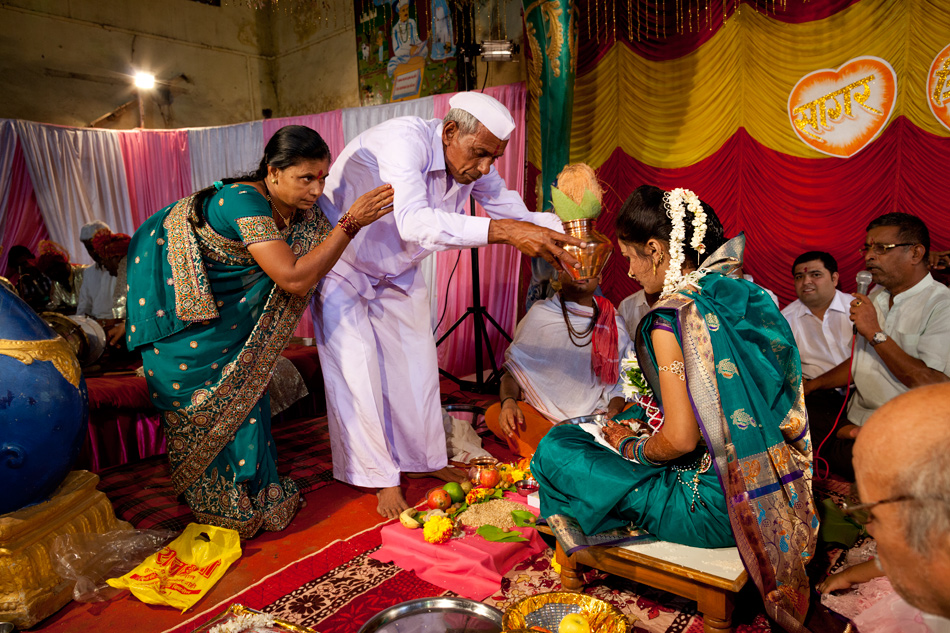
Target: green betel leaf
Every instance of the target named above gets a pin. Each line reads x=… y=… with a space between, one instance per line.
x=494 y=534
x=523 y=518
x=568 y=210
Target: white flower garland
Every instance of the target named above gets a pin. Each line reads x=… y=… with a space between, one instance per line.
x=246 y=622
x=677 y=202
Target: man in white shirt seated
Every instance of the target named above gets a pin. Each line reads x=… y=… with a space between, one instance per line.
x=558 y=366
x=98 y=285
x=633 y=308
x=821 y=322
x=903 y=327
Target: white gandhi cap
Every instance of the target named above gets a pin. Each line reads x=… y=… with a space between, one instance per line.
x=488 y=110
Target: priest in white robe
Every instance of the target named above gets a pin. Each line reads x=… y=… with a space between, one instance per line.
x=371 y=312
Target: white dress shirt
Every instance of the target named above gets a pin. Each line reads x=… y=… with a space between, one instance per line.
x=96 y=293
x=822 y=343
x=919 y=322
x=632 y=310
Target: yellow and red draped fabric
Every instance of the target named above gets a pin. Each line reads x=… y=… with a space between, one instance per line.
x=693 y=94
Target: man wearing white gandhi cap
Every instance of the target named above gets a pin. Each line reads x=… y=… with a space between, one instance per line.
x=371 y=312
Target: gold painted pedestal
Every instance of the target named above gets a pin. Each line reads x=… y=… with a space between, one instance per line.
x=30 y=589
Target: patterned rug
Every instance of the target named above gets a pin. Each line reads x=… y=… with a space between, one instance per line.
x=339 y=588
x=142 y=494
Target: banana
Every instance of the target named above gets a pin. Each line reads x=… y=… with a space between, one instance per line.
x=408 y=518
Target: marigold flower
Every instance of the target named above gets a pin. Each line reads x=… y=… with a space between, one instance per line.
x=438 y=529
x=477 y=495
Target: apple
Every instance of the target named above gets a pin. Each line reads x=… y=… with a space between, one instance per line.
x=438 y=499
x=488 y=477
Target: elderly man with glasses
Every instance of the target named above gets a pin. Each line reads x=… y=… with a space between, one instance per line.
x=902 y=326
x=905 y=492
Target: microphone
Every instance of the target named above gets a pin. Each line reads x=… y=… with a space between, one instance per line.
x=863 y=280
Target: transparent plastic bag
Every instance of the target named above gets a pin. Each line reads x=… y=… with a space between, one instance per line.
x=91 y=559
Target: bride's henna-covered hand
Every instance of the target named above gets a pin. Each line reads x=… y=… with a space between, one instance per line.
x=614 y=433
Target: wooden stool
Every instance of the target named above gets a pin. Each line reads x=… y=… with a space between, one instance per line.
x=711 y=577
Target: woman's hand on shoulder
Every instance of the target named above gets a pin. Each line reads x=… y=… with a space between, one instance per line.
x=372 y=205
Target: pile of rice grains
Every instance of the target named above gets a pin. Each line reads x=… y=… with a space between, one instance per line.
x=496 y=512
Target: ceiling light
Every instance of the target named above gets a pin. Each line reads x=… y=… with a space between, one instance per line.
x=144 y=81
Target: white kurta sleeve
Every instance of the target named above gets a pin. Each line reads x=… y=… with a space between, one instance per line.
x=403 y=164
x=624 y=347
x=502 y=203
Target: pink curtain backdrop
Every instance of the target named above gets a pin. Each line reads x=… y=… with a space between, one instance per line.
x=158 y=169
x=499 y=264
x=23 y=222
x=329 y=125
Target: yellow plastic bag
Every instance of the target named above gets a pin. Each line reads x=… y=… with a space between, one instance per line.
x=183 y=571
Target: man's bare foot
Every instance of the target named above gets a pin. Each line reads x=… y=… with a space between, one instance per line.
x=391 y=502
x=445 y=474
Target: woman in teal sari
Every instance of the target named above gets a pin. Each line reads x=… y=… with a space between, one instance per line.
x=218 y=282
x=731 y=464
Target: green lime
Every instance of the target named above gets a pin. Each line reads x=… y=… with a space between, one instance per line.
x=455 y=491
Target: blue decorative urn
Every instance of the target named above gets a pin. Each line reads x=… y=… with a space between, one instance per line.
x=44 y=407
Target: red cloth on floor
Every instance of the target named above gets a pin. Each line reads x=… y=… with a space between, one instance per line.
x=471 y=566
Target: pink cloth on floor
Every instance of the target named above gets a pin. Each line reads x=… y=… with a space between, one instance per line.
x=470 y=566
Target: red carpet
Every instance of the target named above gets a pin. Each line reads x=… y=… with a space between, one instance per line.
x=339 y=588
x=142 y=494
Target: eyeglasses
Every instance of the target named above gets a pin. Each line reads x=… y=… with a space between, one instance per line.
x=861 y=512
x=880 y=249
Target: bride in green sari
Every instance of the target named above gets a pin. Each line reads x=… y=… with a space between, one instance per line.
x=731 y=464
x=218 y=282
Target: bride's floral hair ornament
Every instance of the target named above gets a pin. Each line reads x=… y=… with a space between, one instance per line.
x=677 y=203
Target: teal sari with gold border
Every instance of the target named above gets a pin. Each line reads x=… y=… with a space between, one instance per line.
x=743 y=375
x=211 y=325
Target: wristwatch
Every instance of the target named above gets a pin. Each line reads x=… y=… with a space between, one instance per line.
x=878 y=338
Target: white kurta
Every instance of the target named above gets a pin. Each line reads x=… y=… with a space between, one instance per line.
x=919 y=322
x=371 y=312
x=633 y=309
x=824 y=343
x=96 y=293
x=555 y=375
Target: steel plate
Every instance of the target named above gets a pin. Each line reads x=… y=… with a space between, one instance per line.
x=598 y=418
x=436 y=615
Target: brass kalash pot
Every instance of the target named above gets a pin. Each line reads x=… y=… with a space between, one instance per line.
x=578 y=221
x=594 y=256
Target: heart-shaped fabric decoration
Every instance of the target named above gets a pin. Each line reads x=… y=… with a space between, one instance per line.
x=838 y=112
x=938 y=87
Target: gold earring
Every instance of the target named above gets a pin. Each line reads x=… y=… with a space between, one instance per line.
x=274 y=180
x=654 y=268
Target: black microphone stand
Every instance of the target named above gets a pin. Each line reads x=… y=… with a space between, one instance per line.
x=478 y=312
